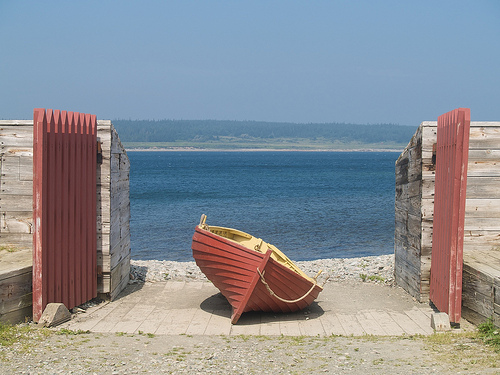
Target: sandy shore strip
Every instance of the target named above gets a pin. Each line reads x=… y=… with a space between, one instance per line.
x=379 y=269
x=173 y=148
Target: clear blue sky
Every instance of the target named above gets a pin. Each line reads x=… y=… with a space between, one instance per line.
x=289 y=61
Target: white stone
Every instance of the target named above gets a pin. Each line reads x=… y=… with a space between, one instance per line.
x=440 y=322
x=54 y=314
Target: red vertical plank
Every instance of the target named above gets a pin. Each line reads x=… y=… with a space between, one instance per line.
x=461 y=187
x=58 y=208
x=84 y=201
x=94 y=206
x=81 y=200
x=39 y=203
x=65 y=212
x=72 y=246
x=90 y=217
x=91 y=227
x=50 y=232
x=78 y=205
x=449 y=212
x=88 y=202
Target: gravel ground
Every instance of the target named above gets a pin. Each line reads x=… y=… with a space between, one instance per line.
x=88 y=353
x=376 y=269
x=53 y=351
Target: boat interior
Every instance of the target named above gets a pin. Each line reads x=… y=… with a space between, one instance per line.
x=256 y=244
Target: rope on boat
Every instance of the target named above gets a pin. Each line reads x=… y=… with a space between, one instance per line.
x=271 y=292
x=324 y=282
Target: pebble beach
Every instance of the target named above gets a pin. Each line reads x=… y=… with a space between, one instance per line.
x=379 y=269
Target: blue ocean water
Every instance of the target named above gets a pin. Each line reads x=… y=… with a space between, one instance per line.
x=311 y=205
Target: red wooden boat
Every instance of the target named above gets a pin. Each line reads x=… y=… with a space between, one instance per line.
x=252 y=274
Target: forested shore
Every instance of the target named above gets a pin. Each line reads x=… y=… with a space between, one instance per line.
x=215 y=134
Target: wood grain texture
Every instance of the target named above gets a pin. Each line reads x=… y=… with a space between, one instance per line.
x=414 y=204
x=114 y=213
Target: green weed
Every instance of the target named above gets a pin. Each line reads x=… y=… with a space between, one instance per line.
x=365 y=277
x=65 y=331
x=490 y=334
x=18 y=334
x=9 y=248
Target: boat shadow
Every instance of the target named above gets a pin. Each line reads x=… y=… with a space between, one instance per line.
x=217 y=304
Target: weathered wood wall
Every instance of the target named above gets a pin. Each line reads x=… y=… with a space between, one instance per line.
x=482 y=209
x=414 y=209
x=16 y=211
x=481 y=272
x=113 y=204
x=16 y=183
x=16 y=297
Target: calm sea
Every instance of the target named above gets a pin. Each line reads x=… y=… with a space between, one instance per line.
x=311 y=205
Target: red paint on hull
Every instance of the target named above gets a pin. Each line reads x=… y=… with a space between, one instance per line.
x=232 y=268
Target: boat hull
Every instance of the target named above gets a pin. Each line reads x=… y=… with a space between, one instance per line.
x=236 y=271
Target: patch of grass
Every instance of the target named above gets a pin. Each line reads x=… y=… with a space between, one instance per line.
x=179 y=353
x=262 y=338
x=296 y=340
x=370 y=338
x=490 y=334
x=21 y=336
x=378 y=361
x=376 y=278
x=9 y=248
x=440 y=339
x=10 y=334
x=464 y=350
x=365 y=277
x=65 y=331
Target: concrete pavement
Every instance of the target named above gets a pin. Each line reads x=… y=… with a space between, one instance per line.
x=197 y=308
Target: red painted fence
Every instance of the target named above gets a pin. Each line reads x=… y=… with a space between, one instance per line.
x=64 y=208
x=449 y=212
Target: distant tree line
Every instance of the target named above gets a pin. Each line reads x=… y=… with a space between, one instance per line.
x=206 y=130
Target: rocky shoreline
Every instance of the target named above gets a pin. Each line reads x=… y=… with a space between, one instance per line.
x=378 y=269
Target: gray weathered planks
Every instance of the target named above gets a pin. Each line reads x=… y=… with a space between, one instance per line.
x=16 y=183
x=113 y=245
x=15 y=285
x=414 y=207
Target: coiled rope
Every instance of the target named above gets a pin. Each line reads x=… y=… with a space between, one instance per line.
x=271 y=292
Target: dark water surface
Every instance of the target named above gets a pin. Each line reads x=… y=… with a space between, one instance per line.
x=311 y=205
